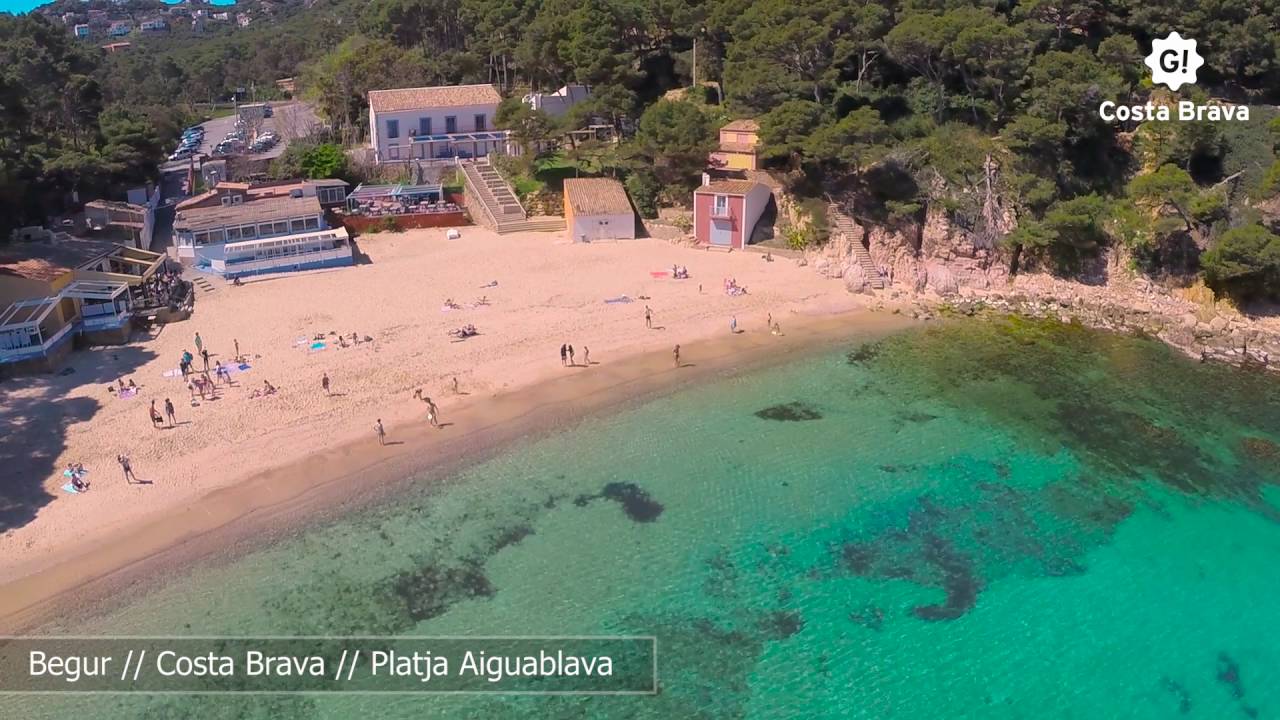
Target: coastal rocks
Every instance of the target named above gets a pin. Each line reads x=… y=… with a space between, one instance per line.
x=855 y=279
x=941 y=279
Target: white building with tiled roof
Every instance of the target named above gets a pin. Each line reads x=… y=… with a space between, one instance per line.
x=434 y=123
x=597 y=209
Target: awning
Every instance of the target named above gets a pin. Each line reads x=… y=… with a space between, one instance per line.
x=27 y=314
x=95 y=289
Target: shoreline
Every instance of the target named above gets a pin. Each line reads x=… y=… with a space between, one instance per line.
x=266 y=506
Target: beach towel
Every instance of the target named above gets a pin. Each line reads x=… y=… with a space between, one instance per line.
x=619 y=299
x=173 y=373
x=317 y=346
x=128 y=392
x=242 y=367
x=70 y=488
x=658 y=273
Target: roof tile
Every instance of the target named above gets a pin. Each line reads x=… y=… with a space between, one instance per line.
x=432 y=97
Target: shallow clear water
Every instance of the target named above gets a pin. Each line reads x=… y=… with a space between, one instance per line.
x=991 y=519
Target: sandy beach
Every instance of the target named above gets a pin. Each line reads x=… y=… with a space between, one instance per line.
x=238 y=455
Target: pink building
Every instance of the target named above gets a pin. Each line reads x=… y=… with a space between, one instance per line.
x=725 y=212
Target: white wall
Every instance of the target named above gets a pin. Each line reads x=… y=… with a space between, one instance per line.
x=409 y=125
x=594 y=227
x=757 y=201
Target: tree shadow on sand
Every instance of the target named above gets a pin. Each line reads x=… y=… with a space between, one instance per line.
x=35 y=414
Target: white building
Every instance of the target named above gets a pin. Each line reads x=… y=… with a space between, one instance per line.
x=239 y=229
x=558 y=103
x=434 y=123
x=597 y=209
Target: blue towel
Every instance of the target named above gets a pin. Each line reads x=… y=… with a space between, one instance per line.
x=71 y=489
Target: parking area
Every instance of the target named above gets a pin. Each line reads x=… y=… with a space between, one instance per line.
x=289 y=120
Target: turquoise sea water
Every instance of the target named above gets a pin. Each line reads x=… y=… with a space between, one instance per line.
x=991 y=519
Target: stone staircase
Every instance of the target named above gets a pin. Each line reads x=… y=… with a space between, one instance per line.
x=843 y=224
x=494 y=204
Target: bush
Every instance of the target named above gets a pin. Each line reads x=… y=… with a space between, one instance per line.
x=643 y=188
x=798 y=238
x=1244 y=263
x=388 y=224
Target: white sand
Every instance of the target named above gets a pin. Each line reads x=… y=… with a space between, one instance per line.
x=549 y=292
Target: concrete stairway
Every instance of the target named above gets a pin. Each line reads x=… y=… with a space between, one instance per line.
x=495 y=205
x=843 y=224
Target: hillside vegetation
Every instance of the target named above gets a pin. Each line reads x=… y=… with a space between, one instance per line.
x=987 y=109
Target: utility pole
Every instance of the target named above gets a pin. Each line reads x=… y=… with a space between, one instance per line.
x=695 y=61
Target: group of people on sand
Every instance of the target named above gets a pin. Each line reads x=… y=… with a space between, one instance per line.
x=731 y=287
x=568 y=359
x=679 y=272
x=76 y=472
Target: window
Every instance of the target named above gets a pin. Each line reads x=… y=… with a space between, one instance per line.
x=297 y=225
x=313 y=224
x=720 y=206
x=202 y=238
x=451 y=124
x=424 y=126
x=480 y=123
x=281 y=228
x=233 y=234
x=225 y=200
x=249 y=232
x=393 y=128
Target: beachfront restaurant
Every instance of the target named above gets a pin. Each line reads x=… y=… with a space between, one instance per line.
x=378 y=200
x=330 y=247
x=233 y=232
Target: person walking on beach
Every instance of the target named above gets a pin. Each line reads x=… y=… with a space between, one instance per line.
x=237 y=342
x=676 y=354
x=586 y=356
x=431 y=412
x=733 y=325
x=572 y=362
x=382 y=433
x=324 y=383
x=199 y=343
x=648 y=317
x=156 y=420
x=205 y=354
x=564 y=354
x=129 y=477
x=168 y=411
x=455 y=385
x=768 y=321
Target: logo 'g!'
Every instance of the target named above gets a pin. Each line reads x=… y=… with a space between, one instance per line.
x=1174 y=61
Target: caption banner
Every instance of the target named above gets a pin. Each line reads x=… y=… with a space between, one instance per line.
x=549 y=665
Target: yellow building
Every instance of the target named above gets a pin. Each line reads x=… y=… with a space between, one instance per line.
x=50 y=292
x=738 y=146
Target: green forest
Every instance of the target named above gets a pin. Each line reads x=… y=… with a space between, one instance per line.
x=985 y=109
